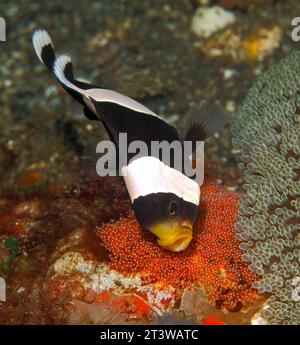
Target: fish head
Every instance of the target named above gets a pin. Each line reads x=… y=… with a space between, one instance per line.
x=170 y=218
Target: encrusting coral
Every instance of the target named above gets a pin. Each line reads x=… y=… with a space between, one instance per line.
x=213 y=260
x=266 y=134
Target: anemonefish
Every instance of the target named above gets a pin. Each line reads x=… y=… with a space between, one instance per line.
x=165 y=201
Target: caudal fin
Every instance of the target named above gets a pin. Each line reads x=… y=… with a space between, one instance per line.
x=61 y=68
x=44 y=48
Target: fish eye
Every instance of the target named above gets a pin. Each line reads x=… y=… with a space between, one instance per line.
x=173 y=208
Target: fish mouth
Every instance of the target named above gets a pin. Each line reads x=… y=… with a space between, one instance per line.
x=174 y=237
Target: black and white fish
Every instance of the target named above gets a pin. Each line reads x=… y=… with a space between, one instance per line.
x=165 y=201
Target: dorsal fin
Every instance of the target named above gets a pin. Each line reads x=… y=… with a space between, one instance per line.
x=204 y=120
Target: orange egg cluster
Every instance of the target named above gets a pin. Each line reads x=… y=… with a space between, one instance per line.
x=213 y=259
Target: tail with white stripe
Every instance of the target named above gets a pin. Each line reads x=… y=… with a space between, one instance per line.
x=98 y=103
x=62 y=69
x=44 y=48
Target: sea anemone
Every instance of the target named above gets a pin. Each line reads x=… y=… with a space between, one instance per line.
x=266 y=134
x=213 y=260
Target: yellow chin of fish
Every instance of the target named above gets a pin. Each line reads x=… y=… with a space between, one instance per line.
x=173 y=236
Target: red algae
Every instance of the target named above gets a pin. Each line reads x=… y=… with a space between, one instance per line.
x=213 y=260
